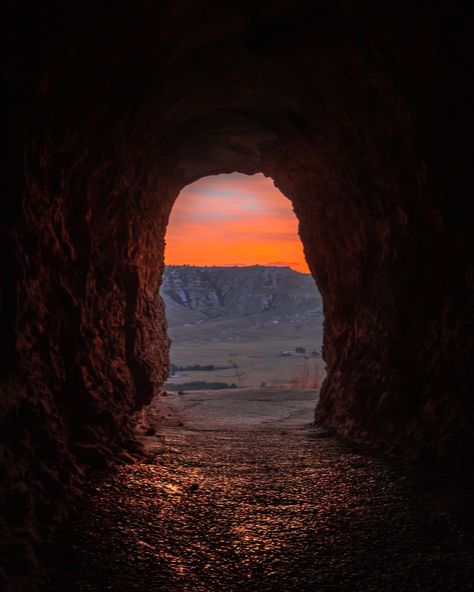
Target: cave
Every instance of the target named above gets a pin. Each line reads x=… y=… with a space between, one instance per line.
x=358 y=113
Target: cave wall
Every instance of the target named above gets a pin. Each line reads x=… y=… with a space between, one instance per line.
x=355 y=111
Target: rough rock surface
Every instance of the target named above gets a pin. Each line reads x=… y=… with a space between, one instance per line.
x=193 y=293
x=357 y=111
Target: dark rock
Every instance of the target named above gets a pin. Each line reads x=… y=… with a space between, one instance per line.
x=92 y=456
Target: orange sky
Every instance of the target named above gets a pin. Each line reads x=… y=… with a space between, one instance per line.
x=233 y=220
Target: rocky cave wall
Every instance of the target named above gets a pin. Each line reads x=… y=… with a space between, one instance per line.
x=355 y=111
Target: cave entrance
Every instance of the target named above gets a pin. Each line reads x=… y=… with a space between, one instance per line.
x=243 y=310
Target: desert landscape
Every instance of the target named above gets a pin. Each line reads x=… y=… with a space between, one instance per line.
x=237 y=327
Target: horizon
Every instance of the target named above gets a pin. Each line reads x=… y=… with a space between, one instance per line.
x=234 y=220
x=241 y=266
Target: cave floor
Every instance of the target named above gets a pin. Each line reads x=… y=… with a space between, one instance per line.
x=240 y=493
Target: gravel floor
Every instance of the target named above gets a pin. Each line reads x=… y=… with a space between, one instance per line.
x=261 y=509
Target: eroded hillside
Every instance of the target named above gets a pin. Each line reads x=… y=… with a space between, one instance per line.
x=263 y=298
x=254 y=324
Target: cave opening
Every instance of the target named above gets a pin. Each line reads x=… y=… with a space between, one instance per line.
x=242 y=307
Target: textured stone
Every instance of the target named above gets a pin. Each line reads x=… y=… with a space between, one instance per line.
x=356 y=111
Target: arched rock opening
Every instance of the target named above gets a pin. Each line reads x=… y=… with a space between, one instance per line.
x=112 y=110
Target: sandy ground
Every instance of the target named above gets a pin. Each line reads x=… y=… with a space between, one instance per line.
x=234 y=409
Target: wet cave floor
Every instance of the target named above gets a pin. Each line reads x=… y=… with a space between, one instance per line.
x=243 y=494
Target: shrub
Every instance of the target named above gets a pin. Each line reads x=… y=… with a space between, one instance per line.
x=199 y=385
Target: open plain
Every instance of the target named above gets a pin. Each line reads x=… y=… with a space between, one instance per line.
x=257 y=325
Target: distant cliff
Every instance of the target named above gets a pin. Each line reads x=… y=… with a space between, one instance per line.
x=270 y=295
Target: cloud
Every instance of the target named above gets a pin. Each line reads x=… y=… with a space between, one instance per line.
x=227 y=218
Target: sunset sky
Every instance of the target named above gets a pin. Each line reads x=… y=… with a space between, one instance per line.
x=233 y=220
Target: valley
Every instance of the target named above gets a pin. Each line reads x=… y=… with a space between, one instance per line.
x=257 y=325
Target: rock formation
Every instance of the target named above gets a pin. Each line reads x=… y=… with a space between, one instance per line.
x=202 y=293
x=358 y=113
